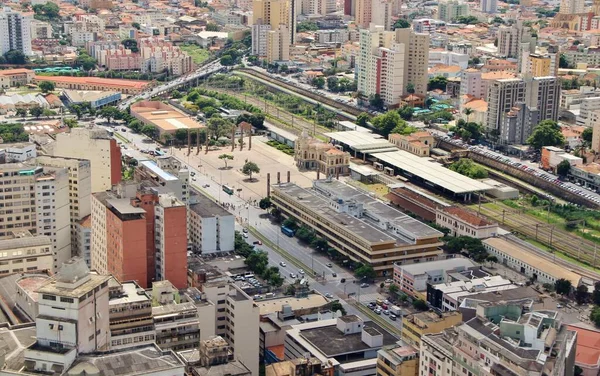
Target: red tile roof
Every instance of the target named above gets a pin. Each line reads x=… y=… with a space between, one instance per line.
x=588 y=345
x=466 y=216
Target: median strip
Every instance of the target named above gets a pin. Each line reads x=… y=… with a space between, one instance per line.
x=121 y=138
x=376 y=318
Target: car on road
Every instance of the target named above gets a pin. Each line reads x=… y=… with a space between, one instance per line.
x=343 y=280
x=193 y=179
x=283 y=264
x=206 y=186
x=123 y=129
x=334 y=275
x=389 y=280
x=301 y=271
x=329 y=295
x=393 y=317
x=559 y=305
x=257 y=242
x=193 y=173
x=377 y=311
x=329 y=265
x=292 y=275
x=371 y=305
x=245 y=230
x=363 y=285
x=386 y=312
x=245 y=235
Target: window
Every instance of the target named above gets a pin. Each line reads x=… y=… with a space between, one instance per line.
x=48 y=297
x=67 y=300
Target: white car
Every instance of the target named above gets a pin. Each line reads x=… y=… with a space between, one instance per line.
x=283 y=264
x=301 y=271
x=245 y=235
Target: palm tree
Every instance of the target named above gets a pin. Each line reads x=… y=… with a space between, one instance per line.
x=468 y=111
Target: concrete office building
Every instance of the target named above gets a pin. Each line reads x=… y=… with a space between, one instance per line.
x=237 y=320
x=436 y=354
x=512 y=39
x=211 y=228
x=317 y=7
x=572 y=6
x=517 y=105
x=488 y=6
x=451 y=10
x=382 y=12
x=418 y=324
x=398 y=360
x=17 y=152
x=15 y=32
x=171 y=240
x=22 y=252
x=80 y=187
x=96 y=145
x=83 y=239
x=390 y=61
x=358 y=226
x=73 y=318
x=363 y=13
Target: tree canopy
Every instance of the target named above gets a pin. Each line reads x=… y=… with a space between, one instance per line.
x=250 y=168
x=401 y=23
x=546 y=133
x=437 y=82
x=46 y=86
x=467 y=167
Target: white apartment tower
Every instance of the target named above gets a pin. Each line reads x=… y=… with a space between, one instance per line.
x=15 y=32
x=72 y=320
x=389 y=61
x=572 y=6
x=259 y=39
x=382 y=12
x=278 y=45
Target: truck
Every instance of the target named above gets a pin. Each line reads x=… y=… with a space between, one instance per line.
x=396 y=310
x=288 y=231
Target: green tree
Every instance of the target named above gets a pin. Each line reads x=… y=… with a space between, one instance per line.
x=36 y=111
x=437 y=82
x=596 y=294
x=71 y=123
x=46 y=12
x=491 y=259
x=337 y=306
x=401 y=23
x=225 y=158
x=304 y=26
x=387 y=122
x=420 y=304
x=136 y=25
x=250 y=168
x=264 y=203
x=305 y=234
x=319 y=244
x=130 y=44
x=562 y=286
x=212 y=27
x=393 y=289
x=291 y=223
x=85 y=61
x=455 y=245
x=406 y=112
x=563 y=62
x=135 y=126
x=376 y=101
x=46 y=86
x=581 y=294
x=410 y=88
x=318 y=82
x=181 y=135
x=149 y=131
x=363 y=119
x=587 y=135
x=467 y=167
x=227 y=60
x=109 y=113
x=366 y=272
x=546 y=133
x=595 y=316
x=468 y=111
x=563 y=168
x=21 y=112
x=48 y=112
x=15 y=57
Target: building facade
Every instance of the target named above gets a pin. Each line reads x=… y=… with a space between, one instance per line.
x=15 y=31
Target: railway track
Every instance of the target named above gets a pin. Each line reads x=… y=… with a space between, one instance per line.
x=322 y=99
x=571 y=245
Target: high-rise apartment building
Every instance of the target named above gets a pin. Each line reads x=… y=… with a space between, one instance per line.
x=572 y=6
x=382 y=12
x=488 y=6
x=80 y=190
x=514 y=39
x=96 y=145
x=22 y=252
x=451 y=10
x=211 y=228
x=389 y=61
x=517 y=105
x=15 y=32
x=317 y=7
x=139 y=235
x=278 y=46
x=275 y=13
x=72 y=319
x=363 y=13
x=259 y=39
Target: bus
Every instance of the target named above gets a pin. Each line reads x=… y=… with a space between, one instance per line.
x=287 y=231
x=227 y=189
x=159 y=153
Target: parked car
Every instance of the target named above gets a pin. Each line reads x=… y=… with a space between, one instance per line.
x=257 y=242
x=364 y=285
x=283 y=264
x=292 y=275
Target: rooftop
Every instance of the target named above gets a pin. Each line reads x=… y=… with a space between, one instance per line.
x=467 y=216
x=25 y=242
x=274 y=305
x=162 y=174
x=448 y=264
x=57 y=284
x=331 y=342
x=108 y=82
x=164 y=116
x=362 y=142
x=430 y=171
x=205 y=207
x=135 y=361
x=588 y=345
x=131 y=294
x=169 y=309
x=232 y=368
x=123 y=206
x=513 y=250
x=78 y=96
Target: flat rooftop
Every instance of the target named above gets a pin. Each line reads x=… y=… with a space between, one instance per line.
x=274 y=305
x=25 y=242
x=107 y=82
x=205 y=207
x=164 y=116
x=440 y=265
x=123 y=206
x=130 y=295
x=362 y=142
x=162 y=174
x=430 y=171
x=331 y=342
x=51 y=286
x=78 y=96
x=172 y=309
x=520 y=253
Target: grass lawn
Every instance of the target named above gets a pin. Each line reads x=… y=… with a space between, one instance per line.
x=199 y=55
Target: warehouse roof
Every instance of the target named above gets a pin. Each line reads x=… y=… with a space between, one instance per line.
x=432 y=172
x=362 y=142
